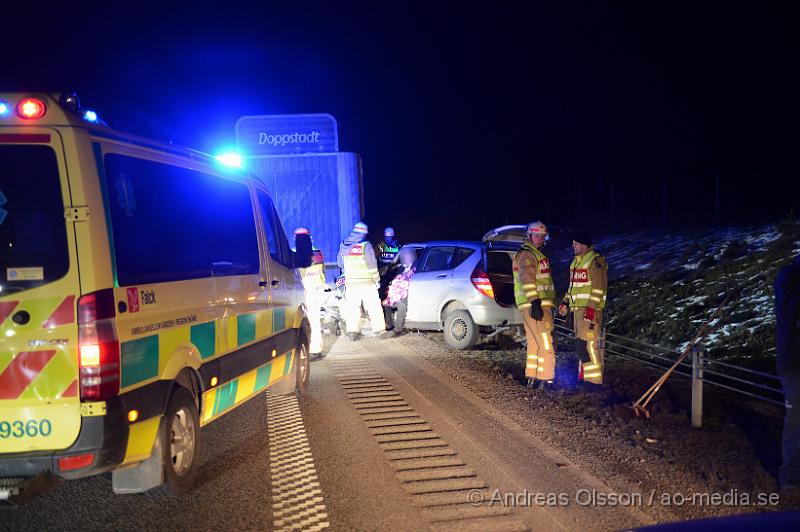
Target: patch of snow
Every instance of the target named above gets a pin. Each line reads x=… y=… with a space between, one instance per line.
x=692 y=300
x=643 y=266
x=759 y=241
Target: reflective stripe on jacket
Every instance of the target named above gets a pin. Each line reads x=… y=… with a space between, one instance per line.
x=588 y=282
x=532 y=278
x=358 y=262
x=388 y=252
x=313 y=277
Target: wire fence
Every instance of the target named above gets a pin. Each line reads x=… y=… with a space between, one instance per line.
x=739 y=379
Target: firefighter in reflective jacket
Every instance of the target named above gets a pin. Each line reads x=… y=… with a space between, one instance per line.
x=535 y=296
x=586 y=299
x=313 y=279
x=357 y=259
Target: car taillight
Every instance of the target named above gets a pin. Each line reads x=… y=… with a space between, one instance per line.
x=98 y=346
x=480 y=280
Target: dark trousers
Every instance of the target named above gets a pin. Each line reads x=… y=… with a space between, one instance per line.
x=388 y=317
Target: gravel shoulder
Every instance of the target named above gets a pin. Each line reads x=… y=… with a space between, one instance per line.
x=734 y=457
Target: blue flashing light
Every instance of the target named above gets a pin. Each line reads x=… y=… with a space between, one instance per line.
x=4 y=108
x=90 y=116
x=230 y=159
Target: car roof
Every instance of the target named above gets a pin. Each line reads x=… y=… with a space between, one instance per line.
x=461 y=243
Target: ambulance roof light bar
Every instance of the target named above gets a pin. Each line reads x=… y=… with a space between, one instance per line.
x=71 y=101
x=230 y=159
x=31 y=109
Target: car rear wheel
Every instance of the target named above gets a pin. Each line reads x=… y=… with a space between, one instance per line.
x=459 y=330
x=181 y=442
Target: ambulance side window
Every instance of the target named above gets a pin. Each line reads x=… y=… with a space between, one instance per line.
x=171 y=223
x=279 y=248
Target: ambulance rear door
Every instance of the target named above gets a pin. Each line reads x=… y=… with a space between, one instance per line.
x=39 y=393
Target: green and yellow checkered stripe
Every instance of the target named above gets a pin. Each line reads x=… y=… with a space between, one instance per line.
x=145 y=358
x=224 y=397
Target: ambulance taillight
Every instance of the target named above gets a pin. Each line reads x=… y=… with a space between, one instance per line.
x=98 y=346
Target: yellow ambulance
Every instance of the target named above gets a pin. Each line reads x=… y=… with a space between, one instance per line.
x=145 y=291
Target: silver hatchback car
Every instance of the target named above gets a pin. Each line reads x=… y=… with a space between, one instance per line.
x=465 y=288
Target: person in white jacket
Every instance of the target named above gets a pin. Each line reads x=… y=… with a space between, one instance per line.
x=312 y=274
x=361 y=280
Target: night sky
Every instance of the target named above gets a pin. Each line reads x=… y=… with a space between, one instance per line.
x=466 y=118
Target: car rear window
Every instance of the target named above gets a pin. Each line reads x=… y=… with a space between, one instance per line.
x=33 y=232
x=499 y=262
x=462 y=254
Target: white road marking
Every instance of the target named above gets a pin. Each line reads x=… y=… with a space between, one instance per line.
x=297 y=501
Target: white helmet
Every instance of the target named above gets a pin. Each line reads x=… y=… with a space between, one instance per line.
x=537 y=228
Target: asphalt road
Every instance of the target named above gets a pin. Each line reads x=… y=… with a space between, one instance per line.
x=231 y=491
x=393 y=444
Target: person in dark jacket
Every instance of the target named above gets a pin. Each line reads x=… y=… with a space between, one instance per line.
x=394 y=302
x=787 y=337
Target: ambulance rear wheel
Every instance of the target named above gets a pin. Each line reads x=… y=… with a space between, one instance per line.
x=181 y=442
x=303 y=365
